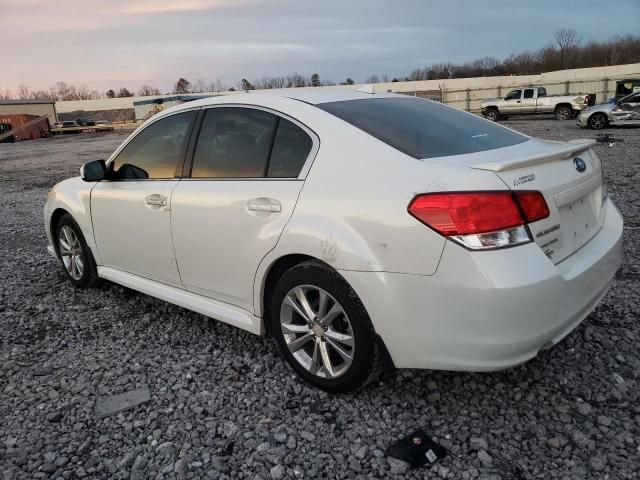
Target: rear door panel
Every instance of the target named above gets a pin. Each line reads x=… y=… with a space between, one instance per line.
x=219 y=239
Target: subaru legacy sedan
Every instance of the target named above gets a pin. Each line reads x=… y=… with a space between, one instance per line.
x=358 y=229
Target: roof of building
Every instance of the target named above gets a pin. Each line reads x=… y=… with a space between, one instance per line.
x=324 y=95
x=26 y=102
x=171 y=98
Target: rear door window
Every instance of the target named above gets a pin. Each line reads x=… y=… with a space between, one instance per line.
x=422 y=128
x=291 y=148
x=234 y=142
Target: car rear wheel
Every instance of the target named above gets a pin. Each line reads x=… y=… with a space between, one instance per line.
x=76 y=258
x=492 y=115
x=598 y=121
x=323 y=330
x=564 y=113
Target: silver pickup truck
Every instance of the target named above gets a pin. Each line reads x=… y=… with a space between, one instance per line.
x=530 y=100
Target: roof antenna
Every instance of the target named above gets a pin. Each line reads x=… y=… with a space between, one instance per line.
x=367 y=89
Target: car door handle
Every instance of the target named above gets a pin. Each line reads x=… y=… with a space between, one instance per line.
x=156 y=200
x=264 y=204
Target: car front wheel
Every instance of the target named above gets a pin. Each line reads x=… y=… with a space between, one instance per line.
x=492 y=115
x=323 y=330
x=597 y=121
x=76 y=258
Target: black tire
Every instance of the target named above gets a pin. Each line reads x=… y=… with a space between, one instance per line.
x=89 y=275
x=598 y=121
x=492 y=114
x=564 y=112
x=366 y=363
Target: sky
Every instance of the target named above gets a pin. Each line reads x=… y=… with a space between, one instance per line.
x=114 y=43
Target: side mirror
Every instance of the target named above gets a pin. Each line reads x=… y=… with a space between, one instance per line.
x=94 y=171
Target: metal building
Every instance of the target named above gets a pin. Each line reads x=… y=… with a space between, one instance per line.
x=37 y=108
x=148 y=107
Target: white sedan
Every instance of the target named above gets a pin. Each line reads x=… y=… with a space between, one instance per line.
x=358 y=229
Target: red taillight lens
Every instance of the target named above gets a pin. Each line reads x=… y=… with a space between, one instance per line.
x=533 y=205
x=466 y=213
x=475 y=213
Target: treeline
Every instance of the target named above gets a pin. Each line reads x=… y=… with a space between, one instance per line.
x=566 y=50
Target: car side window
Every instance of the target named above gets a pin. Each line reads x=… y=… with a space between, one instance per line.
x=291 y=148
x=513 y=95
x=157 y=151
x=542 y=92
x=528 y=93
x=234 y=142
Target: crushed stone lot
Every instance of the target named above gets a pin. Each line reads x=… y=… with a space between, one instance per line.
x=223 y=404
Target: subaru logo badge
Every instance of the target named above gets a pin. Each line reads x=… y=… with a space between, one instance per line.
x=579 y=164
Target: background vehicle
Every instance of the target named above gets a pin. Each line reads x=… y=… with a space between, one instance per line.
x=625 y=111
x=85 y=122
x=353 y=227
x=532 y=100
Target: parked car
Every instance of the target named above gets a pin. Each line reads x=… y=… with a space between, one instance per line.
x=67 y=127
x=625 y=111
x=104 y=126
x=532 y=100
x=357 y=229
x=85 y=122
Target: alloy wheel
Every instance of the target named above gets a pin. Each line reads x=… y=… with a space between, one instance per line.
x=597 y=122
x=317 y=331
x=71 y=252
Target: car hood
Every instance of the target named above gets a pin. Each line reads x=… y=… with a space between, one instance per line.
x=603 y=107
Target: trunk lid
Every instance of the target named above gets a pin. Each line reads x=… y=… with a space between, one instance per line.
x=569 y=175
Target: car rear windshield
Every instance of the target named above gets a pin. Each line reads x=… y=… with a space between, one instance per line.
x=423 y=128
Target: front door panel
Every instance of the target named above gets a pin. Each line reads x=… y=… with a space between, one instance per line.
x=131 y=224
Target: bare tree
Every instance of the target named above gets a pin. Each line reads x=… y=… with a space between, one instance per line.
x=62 y=91
x=372 y=79
x=83 y=93
x=200 y=86
x=43 y=95
x=216 y=86
x=296 y=80
x=147 y=91
x=23 y=92
x=567 y=40
x=5 y=94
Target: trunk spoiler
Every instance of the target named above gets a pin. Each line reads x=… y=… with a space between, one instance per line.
x=567 y=150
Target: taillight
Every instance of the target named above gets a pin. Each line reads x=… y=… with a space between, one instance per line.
x=481 y=220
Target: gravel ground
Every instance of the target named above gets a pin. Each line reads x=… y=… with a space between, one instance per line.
x=224 y=405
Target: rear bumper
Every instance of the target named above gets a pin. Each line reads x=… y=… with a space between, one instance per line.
x=491 y=310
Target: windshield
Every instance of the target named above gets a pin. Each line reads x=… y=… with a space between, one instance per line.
x=422 y=128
